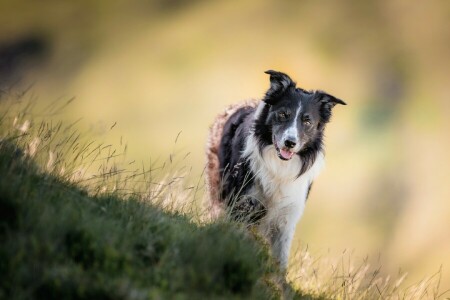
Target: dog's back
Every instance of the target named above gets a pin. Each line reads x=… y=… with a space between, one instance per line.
x=213 y=172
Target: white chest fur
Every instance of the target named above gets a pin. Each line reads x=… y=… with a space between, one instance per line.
x=281 y=192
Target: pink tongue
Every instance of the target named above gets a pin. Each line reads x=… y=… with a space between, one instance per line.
x=286 y=154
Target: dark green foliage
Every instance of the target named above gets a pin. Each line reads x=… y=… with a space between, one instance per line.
x=60 y=243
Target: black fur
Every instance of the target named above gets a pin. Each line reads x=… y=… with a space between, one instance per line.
x=234 y=169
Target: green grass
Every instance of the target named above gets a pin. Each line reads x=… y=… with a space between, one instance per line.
x=76 y=222
x=59 y=242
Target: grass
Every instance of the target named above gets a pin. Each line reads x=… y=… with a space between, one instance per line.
x=70 y=233
x=76 y=222
x=60 y=243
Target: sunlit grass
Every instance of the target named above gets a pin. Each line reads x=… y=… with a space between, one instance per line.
x=87 y=222
x=350 y=278
x=80 y=221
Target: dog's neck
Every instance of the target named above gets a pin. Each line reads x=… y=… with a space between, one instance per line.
x=271 y=172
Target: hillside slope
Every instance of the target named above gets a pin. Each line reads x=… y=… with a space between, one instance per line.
x=60 y=243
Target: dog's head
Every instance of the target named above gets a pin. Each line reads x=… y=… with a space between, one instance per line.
x=296 y=117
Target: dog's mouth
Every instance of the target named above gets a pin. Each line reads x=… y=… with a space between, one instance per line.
x=283 y=152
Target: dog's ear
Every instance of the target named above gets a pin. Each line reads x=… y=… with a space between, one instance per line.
x=327 y=102
x=279 y=83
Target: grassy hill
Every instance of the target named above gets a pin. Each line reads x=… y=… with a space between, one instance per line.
x=60 y=243
x=76 y=224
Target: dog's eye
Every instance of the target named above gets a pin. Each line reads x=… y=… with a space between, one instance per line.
x=307 y=121
x=282 y=115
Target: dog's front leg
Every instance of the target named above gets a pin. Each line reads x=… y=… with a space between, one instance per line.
x=281 y=231
x=281 y=240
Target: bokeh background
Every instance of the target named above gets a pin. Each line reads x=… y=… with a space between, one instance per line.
x=156 y=68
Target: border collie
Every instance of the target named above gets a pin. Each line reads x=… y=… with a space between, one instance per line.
x=264 y=155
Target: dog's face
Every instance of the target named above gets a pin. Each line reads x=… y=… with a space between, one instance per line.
x=296 y=117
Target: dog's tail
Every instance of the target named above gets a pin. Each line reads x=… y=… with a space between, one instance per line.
x=212 y=174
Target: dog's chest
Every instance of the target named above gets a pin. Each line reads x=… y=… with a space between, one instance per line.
x=279 y=188
x=284 y=200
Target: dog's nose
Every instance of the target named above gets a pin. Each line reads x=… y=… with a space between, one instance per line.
x=289 y=143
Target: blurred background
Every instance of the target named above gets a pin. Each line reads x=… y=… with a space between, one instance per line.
x=156 y=68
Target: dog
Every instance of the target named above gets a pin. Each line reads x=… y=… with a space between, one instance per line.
x=263 y=157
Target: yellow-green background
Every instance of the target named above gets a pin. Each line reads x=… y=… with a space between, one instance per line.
x=161 y=67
